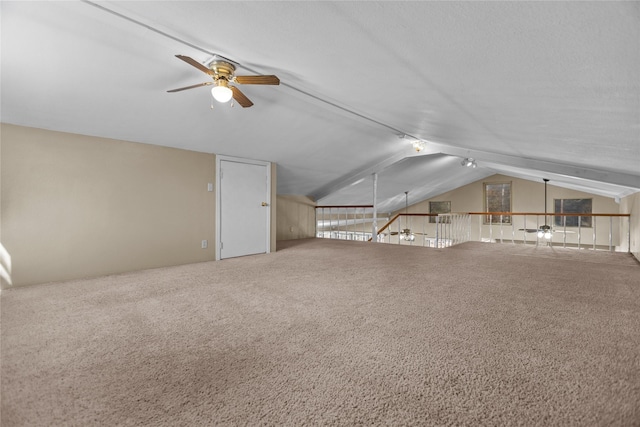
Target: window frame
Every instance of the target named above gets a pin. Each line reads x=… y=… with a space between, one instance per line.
x=505 y=219
x=572 y=221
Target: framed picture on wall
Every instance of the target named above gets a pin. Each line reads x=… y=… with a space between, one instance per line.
x=439 y=208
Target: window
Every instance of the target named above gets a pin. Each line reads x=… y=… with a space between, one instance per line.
x=439 y=208
x=497 y=198
x=572 y=206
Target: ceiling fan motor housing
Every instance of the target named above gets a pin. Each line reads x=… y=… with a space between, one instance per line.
x=222 y=70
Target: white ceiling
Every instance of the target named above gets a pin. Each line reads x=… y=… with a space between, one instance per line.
x=530 y=89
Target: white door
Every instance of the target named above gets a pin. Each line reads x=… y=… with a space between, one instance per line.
x=243 y=207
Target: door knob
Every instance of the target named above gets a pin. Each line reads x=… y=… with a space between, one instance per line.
x=265 y=204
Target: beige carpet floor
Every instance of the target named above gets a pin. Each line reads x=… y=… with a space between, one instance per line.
x=333 y=333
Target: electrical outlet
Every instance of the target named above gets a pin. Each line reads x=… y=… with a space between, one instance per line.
x=204 y=244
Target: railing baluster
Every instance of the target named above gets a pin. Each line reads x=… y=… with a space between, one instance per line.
x=443 y=235
x=513 y=231
x=346 y=224
x=579 y=231
x=491 y=228
x=610 y=232
x=411 y=228
x=454 y=229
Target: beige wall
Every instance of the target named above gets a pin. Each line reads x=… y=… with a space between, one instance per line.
x=631 y=205
x=527 y=196
x=76 y=206
x=296 y=217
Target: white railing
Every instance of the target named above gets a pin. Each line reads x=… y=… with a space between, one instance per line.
x=353 y=222
x=595 y=231
x=454 y=228
x=427 y=230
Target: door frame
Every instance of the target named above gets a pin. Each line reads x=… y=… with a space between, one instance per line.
x=219 y=160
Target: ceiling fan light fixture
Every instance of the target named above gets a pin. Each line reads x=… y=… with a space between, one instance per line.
x=544 y=231
x=545 y=234
x=407 y=235
x=221 y=91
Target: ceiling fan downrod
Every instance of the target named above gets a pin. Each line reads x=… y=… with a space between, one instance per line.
x=545 y=230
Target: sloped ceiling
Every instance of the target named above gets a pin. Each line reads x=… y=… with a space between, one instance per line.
x=530 y=89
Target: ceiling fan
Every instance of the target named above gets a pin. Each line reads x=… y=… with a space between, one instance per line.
x=544 y=231
x=223 y=73
x=406 y=233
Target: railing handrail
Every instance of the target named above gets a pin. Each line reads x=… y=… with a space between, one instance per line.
x=456 y=227
x=343 y=206
x=548 y=214
x=565 y=214
x=384 y=227
x=477 y=213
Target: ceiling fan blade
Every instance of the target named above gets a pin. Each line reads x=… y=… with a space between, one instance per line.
x=528 y=230
x=393 y=233
x=257 y=80
x=240 y=98
x=196 y=64
x=191 y=87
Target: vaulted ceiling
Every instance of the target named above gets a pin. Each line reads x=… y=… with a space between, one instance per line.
x=529 y=89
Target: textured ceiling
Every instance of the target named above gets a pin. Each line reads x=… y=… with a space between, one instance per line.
x=530 y=89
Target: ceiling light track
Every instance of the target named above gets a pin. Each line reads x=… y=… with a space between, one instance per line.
x=155 y=30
